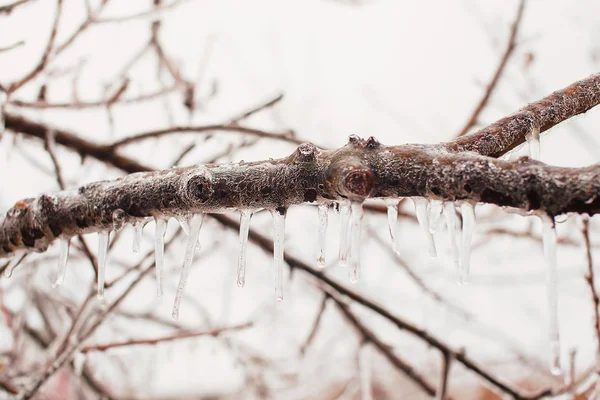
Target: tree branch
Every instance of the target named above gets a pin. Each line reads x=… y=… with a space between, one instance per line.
x=362 y=169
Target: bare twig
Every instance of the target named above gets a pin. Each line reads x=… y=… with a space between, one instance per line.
x=589 y=278
x=9 y=8
x=510 y=46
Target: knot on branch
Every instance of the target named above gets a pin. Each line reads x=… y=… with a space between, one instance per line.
x=351 y=179
x=370 y=143
x=307 y=152
x=198 y=188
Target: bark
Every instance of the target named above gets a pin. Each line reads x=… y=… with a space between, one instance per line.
x=464 y=169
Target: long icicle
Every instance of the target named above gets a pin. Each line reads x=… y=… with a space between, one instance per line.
x=323 y=214
x=435 y=212
x=103 y=240
x=190 y=247
x=468 y=226
x=423 y=219
x=392 y=214
x=534 y=143
x=451 y=218
x=245 y=216
x=61 y=269
x=355 y=227
x=137 y=236
x=159 y=252
x=278 y=250
x=344 y=224
x=549 y=245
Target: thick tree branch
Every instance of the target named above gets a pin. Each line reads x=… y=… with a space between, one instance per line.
x=362 y=169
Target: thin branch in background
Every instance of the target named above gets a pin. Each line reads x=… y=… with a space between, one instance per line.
x=155 y=13
x=315 y=327
x=442 y=391
x=510 y=46
x=163 y=339
x=9 y=8
x=589 y=278
x=255 y=110
x=12 y=46
x=45 y=56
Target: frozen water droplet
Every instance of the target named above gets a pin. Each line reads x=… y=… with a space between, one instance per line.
x=159 y=252
x=392 y=214
x=78 y=363
x=435 y=212
x=344 y=224
x=278 y=249
x=137 y=238
x=355 y=227
x=185 y=223
x=549 y=245
x=118 y=217
x=468 y=226
x=61 y=269
x=190 y=247
x=14 y=263
x=323 y=214
x=451 y=222
x=103 y=239
x=423 y=219
x=533 y=138
x=245 y=216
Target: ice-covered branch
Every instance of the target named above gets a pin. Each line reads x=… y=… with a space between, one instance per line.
x=362 y=169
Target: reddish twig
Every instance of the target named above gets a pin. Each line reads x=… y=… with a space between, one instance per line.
x=510 y=46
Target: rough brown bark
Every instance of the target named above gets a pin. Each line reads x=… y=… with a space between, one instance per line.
x=460 y=170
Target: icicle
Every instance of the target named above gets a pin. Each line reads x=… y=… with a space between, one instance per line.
x=468 y=225
x=159 y=252
x=137 y=238
x=103 y=239
x=549 y=245
x=190 y=247
x=278 y=249
x=344 y=223
x=451 y=218
x=364 y=368
x=392 y=214
x=533 y=138
x=323 y=214
x=3 y=99
x=14 y=263
x=185 y=223
x=423 y=218
x=435 y=212
x=355 y=226
x=61 y=269
x=78 y=363
x=245 y=216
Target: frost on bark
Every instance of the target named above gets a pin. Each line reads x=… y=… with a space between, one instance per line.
x=464 y=169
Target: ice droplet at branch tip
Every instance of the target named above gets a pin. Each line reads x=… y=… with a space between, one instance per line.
x=103 y=240
x=468 y=226
x=190 y=247
x=533 y=138
x=392 y=214
x=61 y=269
x=278 y=250
x=344 y=224
x=137 y=236
x=245 y=216
x=422 y=213
x=323 y=215
x=549 y=245
x=451 y=222
x=159 y=252
x=355 y=228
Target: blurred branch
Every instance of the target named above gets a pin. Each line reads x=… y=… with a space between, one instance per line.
x=9 y=8
x=510 y=46
x=589 y=278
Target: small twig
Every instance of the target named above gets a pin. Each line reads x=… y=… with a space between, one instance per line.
x=441 y=393
x=151 y=14
x=315 y=327
x=12 y=46
x=589 y=278
x=510 y=46
x=7 y=9
x=45 y=56
x=256 y=109
x=170 y=338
